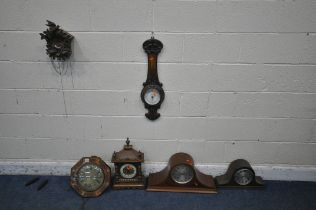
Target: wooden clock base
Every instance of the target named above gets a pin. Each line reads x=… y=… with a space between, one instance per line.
x=209 y=189
x=182 y=189
x=129 y=185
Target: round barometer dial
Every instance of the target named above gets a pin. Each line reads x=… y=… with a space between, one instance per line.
x=128 y=171
x=90 y=177
x=243 y=176
x=182 y=174
x=152 y=96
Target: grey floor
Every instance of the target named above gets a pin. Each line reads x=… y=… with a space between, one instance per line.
x=57 y=194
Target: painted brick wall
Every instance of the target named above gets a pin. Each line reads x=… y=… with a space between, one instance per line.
x=239 y=76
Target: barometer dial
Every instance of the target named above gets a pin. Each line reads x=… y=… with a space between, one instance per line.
x=152 y=96
x=90 y=177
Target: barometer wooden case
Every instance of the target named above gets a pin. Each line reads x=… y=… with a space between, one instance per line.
x=180 y=175
x=128 y=171
x=90 y=176
x=152 y=94
x=239 y=174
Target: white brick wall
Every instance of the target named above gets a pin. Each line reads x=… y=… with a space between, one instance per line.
x=239 y=77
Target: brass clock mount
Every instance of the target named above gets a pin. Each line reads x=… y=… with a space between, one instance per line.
x=152 y=94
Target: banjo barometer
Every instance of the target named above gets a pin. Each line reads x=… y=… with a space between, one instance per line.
x=152 y=94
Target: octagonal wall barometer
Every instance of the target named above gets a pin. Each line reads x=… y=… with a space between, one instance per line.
x=90 y=176
x=152 y=94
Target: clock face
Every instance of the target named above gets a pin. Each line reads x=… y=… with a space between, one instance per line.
x=243 y=176
x=90 y=177
x=182 y=174
x=128 y=171
x=152 y=96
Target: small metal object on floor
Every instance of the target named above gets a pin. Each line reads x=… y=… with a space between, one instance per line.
x=32 y=181
x=36 y=179
x=42 y=185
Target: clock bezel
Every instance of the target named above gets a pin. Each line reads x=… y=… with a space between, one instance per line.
x=135 y=168
x=244 y=168
x=160 y=91
x=80 y=183
x=182 y=183
x=93 y=160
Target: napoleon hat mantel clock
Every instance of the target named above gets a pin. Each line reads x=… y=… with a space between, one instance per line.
x=152 y=94
x=180 y=175
x=239 y=174
x=128 y=171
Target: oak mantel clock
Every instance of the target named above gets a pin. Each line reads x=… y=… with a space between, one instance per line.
x=180 y=175
x=152 y=94
x=239 y=174
x=128 y=171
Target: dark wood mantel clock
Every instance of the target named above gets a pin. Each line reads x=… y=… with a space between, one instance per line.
x=180 y=175
x=239 y=174
x=152 y=94
x=128 y=171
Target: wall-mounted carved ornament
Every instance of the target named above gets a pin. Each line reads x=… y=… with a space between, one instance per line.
x=58 y=42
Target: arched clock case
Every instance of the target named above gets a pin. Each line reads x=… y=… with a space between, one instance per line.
x=180 y=175
x=239 y=174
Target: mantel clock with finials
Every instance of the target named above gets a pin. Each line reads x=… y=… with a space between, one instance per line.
x=128 y=171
